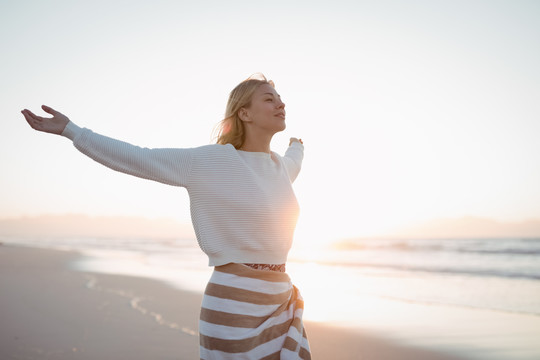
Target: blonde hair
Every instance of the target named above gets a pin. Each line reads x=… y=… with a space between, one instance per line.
x=231 y=129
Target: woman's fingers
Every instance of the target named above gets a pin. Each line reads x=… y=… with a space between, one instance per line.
x=32 y=120
x=35 y=122
x=32 y=115
x=26 y=116
x=49 y=110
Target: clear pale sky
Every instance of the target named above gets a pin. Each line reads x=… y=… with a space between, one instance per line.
x=409 y=110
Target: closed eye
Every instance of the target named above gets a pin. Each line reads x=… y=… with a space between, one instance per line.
x=271 y=96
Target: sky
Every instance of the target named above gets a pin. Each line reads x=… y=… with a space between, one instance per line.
x=409 y=110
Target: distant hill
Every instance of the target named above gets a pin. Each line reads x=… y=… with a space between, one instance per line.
x=95 y=226
x=470 y=227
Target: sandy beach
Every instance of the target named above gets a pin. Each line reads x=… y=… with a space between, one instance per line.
x=49 y=311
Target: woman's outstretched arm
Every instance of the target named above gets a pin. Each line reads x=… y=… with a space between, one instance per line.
x=168 y=166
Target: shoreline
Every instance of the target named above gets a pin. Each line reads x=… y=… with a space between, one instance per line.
x=49 y=311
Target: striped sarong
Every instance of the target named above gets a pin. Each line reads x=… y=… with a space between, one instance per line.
x=251 y=314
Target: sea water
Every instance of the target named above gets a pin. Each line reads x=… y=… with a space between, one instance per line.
x=476 y=297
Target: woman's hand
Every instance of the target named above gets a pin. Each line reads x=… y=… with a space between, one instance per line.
x=54 y=125
x=295 y=140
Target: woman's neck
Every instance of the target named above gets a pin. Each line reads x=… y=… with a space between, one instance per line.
x=255 y=147
x=257 y=144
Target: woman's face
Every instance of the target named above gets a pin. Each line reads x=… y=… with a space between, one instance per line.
x=267 y=111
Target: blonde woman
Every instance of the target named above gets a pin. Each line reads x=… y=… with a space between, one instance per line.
x=243 y=210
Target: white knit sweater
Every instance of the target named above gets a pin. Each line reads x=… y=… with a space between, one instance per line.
x=243 y=207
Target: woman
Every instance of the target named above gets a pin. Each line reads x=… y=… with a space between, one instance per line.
x=243 y=211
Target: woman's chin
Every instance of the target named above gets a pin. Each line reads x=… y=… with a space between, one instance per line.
x=282 y=128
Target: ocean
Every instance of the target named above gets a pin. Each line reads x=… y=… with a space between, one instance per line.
x=479 y=298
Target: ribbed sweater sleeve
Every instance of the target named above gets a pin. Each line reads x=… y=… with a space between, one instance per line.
x=293 y=159
x=168 y=166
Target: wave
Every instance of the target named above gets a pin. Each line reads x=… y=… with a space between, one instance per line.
x=492 y=272
x=508 y=251
x=475 y=246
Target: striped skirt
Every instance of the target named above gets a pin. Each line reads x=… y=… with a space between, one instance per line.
x=251 y=314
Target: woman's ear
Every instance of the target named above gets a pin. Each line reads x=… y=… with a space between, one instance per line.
x=243 y=114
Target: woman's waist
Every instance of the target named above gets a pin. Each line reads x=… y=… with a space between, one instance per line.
x=267 y=267
x=273 y=276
